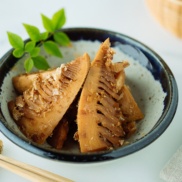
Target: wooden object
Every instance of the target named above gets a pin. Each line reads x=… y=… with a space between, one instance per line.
x=30 y=172
x=168 y=13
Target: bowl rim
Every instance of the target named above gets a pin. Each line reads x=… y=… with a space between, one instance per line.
x=167 y=116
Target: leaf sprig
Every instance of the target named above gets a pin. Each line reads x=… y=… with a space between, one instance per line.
x=31 y=48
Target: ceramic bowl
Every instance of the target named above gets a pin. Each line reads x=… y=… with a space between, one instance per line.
x=150 y=79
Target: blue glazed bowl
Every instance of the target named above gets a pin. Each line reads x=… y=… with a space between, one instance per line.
x=133 y=48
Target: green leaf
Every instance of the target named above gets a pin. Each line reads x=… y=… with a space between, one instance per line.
x=33 y=32
x=18 y=53
x=44 y=36
x=28 y=64
x=15 y=40
x=61 y=38
x=59 y=19
x=35 y=52
x=29 y=46
x=52 y=48
x=40 y=63
x=47 y=23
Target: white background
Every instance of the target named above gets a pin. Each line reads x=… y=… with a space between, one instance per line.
x=132 y=18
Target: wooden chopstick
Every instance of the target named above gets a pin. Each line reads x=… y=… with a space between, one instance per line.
x=30 y=172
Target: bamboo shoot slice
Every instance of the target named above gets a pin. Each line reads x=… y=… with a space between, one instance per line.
x=38 y=111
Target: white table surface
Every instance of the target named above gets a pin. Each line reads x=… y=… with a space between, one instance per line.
x=132 y=18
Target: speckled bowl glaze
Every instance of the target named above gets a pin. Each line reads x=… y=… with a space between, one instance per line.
x=142 y=55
